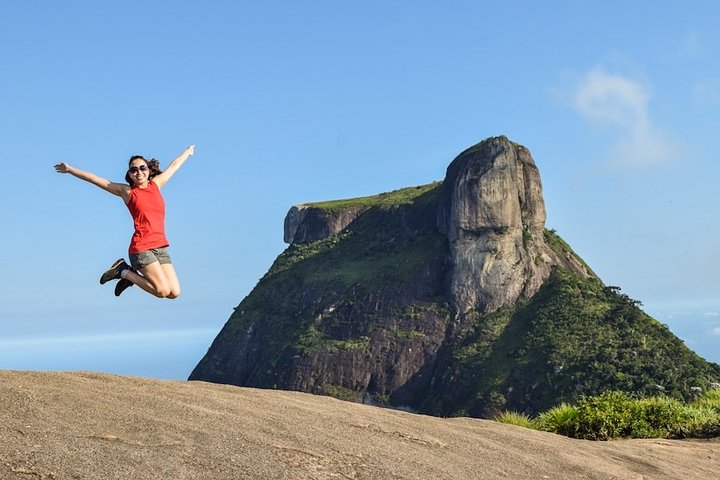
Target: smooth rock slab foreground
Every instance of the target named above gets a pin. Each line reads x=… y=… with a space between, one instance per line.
x=95 y=426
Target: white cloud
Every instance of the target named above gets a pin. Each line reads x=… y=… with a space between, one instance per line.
x=618 y=101
x=605 y=97
x=716 y=331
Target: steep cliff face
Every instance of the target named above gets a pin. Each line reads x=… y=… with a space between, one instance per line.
x=307 y=223
x=450 y=298
x=359 y=315
x=493 y=214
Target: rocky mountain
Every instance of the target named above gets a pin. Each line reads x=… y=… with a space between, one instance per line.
x=451 y=298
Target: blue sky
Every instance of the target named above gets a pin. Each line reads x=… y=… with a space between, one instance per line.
x=288 y=102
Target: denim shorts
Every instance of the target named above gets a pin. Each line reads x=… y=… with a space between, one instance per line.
x=143 y=259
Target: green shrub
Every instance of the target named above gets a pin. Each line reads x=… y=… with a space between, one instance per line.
x=617 y=414
x=709 y=399
x=562 y=420
x=515 y=418
x=656 y=417
x=605 y=416
x=699 y=422
x=340 y=392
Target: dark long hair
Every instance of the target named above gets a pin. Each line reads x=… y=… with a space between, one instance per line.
x=153 y=166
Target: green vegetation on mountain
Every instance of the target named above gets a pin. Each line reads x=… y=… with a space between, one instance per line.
x=378 y=247
x=403 y=196
x=561 y=247
x=305 y=302
x=575 y=337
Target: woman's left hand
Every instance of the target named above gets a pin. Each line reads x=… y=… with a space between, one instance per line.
x=62 y=167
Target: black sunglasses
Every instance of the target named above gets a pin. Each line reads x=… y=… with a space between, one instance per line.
x=141 y=168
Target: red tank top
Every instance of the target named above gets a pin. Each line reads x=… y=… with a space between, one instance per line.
x=147 y=208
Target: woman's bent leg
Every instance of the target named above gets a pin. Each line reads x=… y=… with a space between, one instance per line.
x=153 y=280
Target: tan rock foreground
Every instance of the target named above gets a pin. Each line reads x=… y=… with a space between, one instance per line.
x=94 y=426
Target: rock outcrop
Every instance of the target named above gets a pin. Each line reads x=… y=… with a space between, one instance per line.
x=307 y=223
x=451 y=298
x=493 y=213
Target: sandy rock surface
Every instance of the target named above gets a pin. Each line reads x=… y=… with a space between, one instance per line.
x=95 y=426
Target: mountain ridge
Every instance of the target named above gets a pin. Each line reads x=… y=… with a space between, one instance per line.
x=452 y=298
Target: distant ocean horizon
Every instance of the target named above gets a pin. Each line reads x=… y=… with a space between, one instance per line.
x=696 y=323
x=166 y=355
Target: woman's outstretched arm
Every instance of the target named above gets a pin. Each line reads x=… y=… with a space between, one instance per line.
x=166 y=175
x=118 y=189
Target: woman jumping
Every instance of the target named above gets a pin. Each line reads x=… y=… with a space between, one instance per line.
x=150 y=267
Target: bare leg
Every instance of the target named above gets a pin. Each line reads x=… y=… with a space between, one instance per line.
x=156 y=279
x=172 y=279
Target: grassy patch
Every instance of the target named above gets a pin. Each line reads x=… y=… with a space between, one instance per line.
x=402 y=334
x=562 y=419
x=339 y=392
x=313 y=340
x=515 y=418
x=561 y=247
x=403 y=196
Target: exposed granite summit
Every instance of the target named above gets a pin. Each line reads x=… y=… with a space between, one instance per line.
x=493 y=213
x=306 y=223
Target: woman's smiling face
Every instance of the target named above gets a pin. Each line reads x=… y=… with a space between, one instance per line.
x=139 y=171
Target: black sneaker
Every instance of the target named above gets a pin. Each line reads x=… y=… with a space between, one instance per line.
x=121 y=285
x=114 y=271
